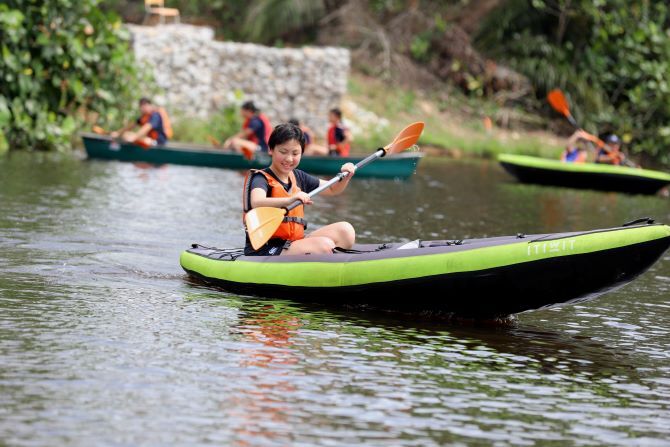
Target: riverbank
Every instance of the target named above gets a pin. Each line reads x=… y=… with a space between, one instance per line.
x=456 y=127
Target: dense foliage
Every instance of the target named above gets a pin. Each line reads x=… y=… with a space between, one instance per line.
x=612 y=57
x=63 y=59
x=63 y=62
x=264 y=21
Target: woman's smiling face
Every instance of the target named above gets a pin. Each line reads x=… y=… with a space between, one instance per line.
x=286 y=157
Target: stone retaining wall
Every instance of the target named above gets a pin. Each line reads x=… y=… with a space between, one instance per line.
x=198 y=75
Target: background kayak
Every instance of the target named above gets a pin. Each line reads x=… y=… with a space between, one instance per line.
x=584 y=175
x=397 y=166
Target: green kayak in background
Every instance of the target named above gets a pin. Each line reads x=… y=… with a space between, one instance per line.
x=400 y=166
x=584 y=175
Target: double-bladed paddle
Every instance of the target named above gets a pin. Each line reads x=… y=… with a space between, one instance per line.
x=262 y=222
x=558 y=101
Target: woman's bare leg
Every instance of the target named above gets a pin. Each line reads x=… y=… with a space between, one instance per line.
x=341 y=233
x=324 y=240
x=240 y=144
x=312 y=245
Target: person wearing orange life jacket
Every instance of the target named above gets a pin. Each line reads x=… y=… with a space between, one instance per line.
x=255 y=131
x=339 y=137
x=611 y=154
x=281 y=184
x=155 y=127
x=574 y=152
x=311 y=148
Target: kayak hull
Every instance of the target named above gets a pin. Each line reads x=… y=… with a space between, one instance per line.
x=480 y=278
x=399 y=166
x=586 y=175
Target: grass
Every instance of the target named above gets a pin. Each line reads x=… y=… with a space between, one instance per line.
x=4 y=147
x=221 y=125
x=454 y=127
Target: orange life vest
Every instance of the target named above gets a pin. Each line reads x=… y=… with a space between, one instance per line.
x=165 y=120
x=153 y=133
x=342 y=148
x=293 y=226
x=266 y=125
x=616 y=158
x=167 y=125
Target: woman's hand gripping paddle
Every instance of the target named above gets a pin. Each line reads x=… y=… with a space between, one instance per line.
x=558 y=101
x=262 y=222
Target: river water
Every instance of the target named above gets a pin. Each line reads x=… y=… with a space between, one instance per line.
x=103 y=341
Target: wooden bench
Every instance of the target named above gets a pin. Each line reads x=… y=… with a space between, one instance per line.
x=157 y=8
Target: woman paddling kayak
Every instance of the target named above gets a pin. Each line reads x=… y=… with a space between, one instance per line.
x=281 y=184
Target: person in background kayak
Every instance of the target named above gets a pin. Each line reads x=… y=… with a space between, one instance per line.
x=339 y=137
x=155 y=128
x=574 y=151
x=281 y=184
x=255 y=131
x=611 y=154
x=311 y=148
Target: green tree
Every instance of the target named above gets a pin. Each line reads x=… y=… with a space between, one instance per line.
x=270 y=20
x=63 y=62
x=611 y=57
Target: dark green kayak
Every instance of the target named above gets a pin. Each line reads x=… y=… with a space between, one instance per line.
x=399 y=166
x=584 y=175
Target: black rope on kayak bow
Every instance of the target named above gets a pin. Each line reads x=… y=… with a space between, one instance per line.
x=220 y=253
x=445 y=243
x=642 y=220
x=351 y=251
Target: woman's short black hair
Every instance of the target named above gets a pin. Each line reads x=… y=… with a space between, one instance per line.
x=144 y=100
x=250 y=106
x=286 y=132
x=294 y=121
x=337 y=112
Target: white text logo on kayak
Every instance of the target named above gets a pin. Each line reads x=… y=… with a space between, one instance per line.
x=540 y=248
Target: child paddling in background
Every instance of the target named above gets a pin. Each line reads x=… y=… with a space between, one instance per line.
x=281 y=184
x=311 y=148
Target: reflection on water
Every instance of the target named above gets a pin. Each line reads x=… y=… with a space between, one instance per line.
x=104 y=341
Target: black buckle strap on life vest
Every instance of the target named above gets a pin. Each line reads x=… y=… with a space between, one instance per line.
x=298 y=220
x=642 y=220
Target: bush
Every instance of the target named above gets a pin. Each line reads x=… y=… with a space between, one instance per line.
x=612 y=58
x=64 y=62
x=220 y=126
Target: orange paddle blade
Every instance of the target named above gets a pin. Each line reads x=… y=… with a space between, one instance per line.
x=213 y=141
x=406 y=138
x=557 y=100
x=248 y=153
x=262 y=223
x=99 y=130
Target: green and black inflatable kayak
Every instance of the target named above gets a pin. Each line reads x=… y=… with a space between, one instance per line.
x=584 y=175
x=484 y=278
